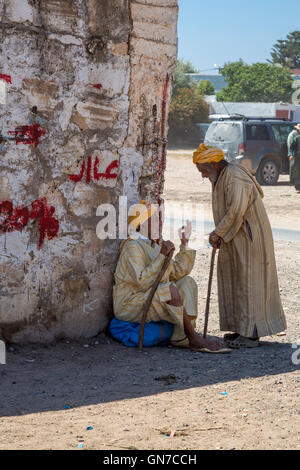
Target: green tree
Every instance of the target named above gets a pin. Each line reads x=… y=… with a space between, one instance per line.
x=205 y=87
x=181 y=80
x=187 y=108
x=286 y=52
x=187 y=105
x=260 y=82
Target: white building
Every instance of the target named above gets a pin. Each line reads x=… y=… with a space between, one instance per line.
x=268 y=110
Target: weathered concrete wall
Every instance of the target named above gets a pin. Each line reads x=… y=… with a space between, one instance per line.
x=92 y=81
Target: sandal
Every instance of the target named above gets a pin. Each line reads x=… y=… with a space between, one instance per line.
x=242 y=342
x=230 y=336
x=218 y=351
x=180 y=343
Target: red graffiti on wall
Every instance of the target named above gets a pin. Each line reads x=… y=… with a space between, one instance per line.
x=164 y=105
x=11 y=218
x=92 y=171
x=88 y=170
x=6 y=78
x=98 y=86
x=162 y=161
x=15 y=219
x=28 y=135
x=48 y=225
x=107 y=175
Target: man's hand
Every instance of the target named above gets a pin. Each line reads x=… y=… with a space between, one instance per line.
x=291 y=157
x=185 y=232
x=214 y=240
x=167 y=247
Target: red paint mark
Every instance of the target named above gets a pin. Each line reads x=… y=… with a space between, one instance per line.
x=18 y=219
x=77 y=178
x=15 y=219
x=88 y=170
x=28 y=135
x=48 y=225
x=7 y=78
x=164 y=105
x=6 y=209
x=98 y=86
x=107 y=175
x=163 y=131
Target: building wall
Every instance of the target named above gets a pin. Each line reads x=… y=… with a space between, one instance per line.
x=296 y=114
x=268 y=110
x=296 y=78
x=216 y=80
x=85 y=87
x=247 y=109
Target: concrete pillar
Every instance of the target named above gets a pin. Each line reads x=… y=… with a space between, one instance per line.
x=85 y=87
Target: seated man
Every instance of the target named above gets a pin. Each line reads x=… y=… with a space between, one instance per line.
x=141 y=259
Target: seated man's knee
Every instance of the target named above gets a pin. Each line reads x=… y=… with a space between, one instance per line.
x=191 y=282
x=175 y=297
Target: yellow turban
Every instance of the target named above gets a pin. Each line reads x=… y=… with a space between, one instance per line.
x=206 y=154
x=141 y=212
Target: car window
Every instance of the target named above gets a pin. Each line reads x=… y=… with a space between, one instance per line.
x=257 y=132
x=224 y=132
x=281 y=131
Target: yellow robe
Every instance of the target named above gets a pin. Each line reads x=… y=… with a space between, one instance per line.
x=138 y=267
x=247 y=277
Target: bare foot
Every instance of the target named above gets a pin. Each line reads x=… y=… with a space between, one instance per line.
x=200 y=342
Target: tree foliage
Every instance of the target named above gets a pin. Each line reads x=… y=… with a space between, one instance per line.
x=260 y=82
x=181 y=80
x=205 y=87
x=286 y=52
x=187 y=108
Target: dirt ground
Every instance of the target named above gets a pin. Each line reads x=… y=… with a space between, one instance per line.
x=51 y=394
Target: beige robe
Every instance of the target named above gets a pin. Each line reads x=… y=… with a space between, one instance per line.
x=138 y=267
x=247 y=278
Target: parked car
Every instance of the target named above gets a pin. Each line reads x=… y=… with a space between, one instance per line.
x=259 y=144
x=202 y=129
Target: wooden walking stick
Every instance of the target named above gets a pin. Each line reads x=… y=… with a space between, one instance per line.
x=211 y=272
x=147 y=304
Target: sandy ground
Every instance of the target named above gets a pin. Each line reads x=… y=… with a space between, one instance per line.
x=184 y=183
x=51 y=394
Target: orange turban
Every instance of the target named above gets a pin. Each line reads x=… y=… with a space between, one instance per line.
x=206 y=154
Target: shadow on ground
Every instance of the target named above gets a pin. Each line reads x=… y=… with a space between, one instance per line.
x=49 y=378
x=284 y=183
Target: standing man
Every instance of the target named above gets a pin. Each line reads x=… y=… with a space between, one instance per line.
x=249 y=299
x=294 y=156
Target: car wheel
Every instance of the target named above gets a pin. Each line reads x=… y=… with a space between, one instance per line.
x=267 y=173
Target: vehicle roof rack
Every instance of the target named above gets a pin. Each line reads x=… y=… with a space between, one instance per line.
x=241 y=117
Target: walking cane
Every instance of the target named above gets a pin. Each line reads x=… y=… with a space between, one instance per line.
x=147 y=304
x=211 y=272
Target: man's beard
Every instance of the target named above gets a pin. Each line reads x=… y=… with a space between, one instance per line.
x=213 y=178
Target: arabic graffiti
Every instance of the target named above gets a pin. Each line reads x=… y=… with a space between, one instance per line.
x=90 y=170
x=16 y=218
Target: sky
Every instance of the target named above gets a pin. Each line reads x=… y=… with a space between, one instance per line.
x=217 y=31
